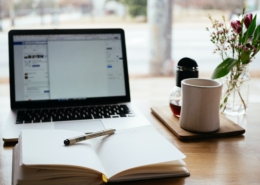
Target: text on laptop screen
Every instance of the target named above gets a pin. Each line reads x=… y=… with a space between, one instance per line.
x=67 y=67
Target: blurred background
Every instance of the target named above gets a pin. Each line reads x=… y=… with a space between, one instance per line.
x=158 y=32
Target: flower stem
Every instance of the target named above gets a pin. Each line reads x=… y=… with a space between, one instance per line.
x=232 y=84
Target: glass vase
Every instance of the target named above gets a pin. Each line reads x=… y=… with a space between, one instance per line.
x=235 y=91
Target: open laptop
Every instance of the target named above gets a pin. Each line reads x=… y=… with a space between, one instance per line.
x=74 y=79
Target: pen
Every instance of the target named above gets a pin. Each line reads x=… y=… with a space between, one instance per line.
x=89 y=136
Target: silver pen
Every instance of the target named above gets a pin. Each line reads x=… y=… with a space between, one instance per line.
x=89 y=136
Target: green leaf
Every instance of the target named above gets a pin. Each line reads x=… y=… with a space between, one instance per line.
x=245 y=57
x=256 y=35
x=224 y=68
x=249 y=32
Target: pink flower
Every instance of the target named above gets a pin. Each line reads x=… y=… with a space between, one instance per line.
x=236 y=25
x=220 y=31
x=220 y=24
x=248 y=19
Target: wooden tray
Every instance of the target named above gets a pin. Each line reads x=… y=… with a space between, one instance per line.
x=227 y=127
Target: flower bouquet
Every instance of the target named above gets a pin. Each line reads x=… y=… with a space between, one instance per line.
x=237 y=45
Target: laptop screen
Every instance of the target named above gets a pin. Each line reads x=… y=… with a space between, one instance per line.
x=68 y=67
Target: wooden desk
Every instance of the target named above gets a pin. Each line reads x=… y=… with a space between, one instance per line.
x=234 y=160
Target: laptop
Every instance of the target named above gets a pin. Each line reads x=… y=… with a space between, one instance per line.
x=72 y=79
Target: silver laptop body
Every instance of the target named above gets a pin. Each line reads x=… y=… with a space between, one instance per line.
x=75 y=79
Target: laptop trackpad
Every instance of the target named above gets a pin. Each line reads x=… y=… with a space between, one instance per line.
x=81 y=126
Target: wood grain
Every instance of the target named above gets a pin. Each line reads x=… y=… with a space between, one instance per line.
x=226 y=161
x=227 y=126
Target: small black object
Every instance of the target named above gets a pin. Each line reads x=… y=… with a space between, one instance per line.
x=187 y=68
x=66 y=142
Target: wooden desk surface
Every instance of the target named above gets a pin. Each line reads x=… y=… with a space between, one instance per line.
x=234 y=160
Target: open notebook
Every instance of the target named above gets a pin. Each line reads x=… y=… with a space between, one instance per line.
x=40 y=157
x=74 y=79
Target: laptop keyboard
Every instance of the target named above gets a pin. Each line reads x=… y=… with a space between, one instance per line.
x=75 y=113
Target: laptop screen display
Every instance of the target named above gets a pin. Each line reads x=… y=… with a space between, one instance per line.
x=68 y=66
